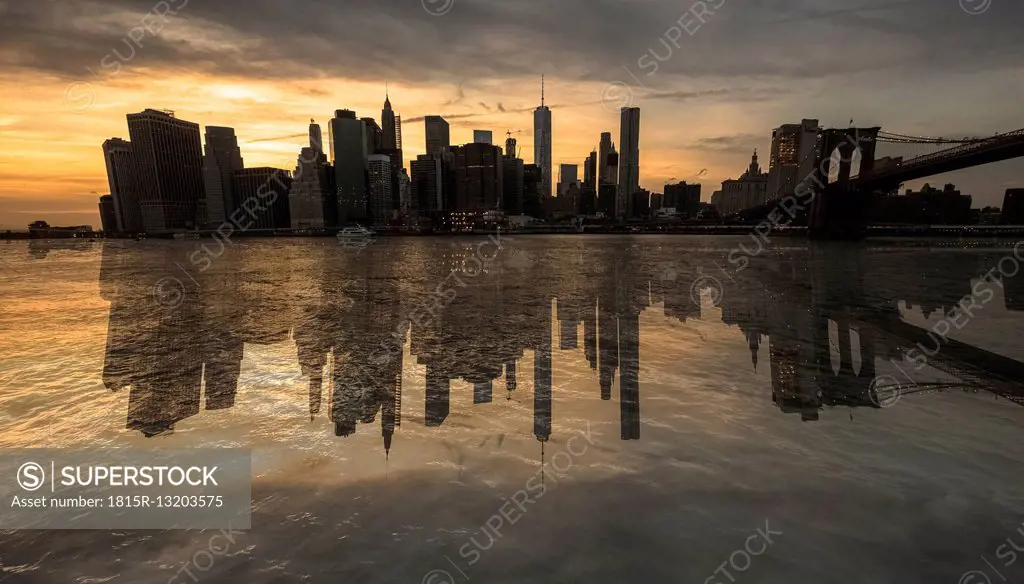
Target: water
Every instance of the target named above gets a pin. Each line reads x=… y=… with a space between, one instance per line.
x=656 y=404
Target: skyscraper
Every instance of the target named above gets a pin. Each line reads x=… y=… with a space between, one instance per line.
x=221 y=160
x=374 y=136
x=391 y=125
x=438 y=134
x=387 y=119
x=380 y=188
x=589 y=192
x=316 y=138
x=603 y=165
x=426 y=185
x=567 y=175
x=684 y=198
x=348 y=151
x=478 y=177
x=590 y=172
x=542 y=142
x=512 y=185
x=312 y=203
x=793 y=157
x=629 y=161
x=613 y=167
x=533 y=185
x=169 y=160
x=122 y=175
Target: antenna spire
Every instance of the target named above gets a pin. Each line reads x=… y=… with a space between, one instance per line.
x=542 y=90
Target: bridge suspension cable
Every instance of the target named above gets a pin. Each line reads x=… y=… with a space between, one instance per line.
x=896 y=138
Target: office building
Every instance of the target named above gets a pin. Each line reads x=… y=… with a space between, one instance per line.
x=657 y=202
x=750 y=190
x=483 y=137
x=263 y=197
x=478 y=177
x=395 y=156
x=590 y=172
x=684 y=198
x=437 y=133
x=533 y=191
x=122 y=176
x=629 y=161
x=381 y=204
x=512 y=185
x=793 y=157
x=349 y=158
x=374 y=136
x=426 y=186
x=613 y=167
x=604 y=150
x=641 y=203
x=221 y=160
x=542 y=143
x=169 y=160
x=312 y=202
x=567 y=176
x=108 y=217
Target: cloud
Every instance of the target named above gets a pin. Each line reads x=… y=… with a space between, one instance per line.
x=730 y=143
x=398 y=40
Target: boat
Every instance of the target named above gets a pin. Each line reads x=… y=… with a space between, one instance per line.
x=354 y=233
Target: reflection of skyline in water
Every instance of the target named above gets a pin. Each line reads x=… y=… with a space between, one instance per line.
x=822 y=321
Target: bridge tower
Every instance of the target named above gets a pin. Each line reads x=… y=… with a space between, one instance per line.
x=839 y=208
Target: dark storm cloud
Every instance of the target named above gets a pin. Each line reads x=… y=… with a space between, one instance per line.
x=486 y=39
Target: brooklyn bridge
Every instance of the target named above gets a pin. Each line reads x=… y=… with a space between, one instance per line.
x=848 y=174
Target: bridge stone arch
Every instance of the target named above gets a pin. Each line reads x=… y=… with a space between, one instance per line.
x=838 y=208
x=849 y=143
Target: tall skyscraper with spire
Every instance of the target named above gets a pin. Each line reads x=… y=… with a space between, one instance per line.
x=392 y=127
x=542 y=142
x=391 y=143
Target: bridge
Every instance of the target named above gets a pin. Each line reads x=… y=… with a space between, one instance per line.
x=839 y=209
x=843 y=194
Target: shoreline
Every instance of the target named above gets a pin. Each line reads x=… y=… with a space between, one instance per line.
x=962 y=231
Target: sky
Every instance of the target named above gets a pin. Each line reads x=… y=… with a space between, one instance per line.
x=711 y=78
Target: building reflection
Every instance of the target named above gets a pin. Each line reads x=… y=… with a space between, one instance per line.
x=825 y=318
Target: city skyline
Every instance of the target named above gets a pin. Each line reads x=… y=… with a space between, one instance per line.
x=708 y=107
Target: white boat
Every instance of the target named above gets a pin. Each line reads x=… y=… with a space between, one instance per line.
x=357 y=232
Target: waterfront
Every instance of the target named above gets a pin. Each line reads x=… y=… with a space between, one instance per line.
x=397 y=394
